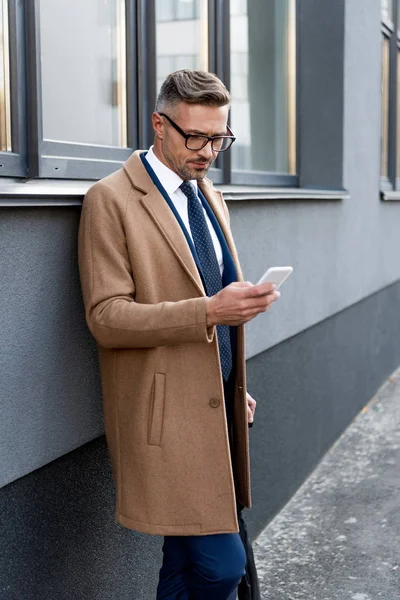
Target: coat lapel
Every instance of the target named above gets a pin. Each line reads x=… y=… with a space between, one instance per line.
x=159 y=211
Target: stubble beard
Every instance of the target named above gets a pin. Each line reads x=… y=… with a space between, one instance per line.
x=185 y=171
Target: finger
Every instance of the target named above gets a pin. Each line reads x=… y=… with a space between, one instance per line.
x=252 y=407
x=271 y=298
x=263 y=289
x=251 y=402
x=242 y=284
x=253 y=311
x=249 y=415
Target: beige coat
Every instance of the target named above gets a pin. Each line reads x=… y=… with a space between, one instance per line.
x=161 y=379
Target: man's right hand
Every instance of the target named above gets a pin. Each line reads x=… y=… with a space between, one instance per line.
x=240 y=302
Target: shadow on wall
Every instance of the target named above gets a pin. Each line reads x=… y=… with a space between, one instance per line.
x=60 y=540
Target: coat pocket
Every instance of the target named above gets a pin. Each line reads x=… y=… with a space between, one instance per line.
x=156 y=415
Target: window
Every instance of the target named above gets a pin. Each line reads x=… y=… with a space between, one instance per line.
x=385 y=108
x=79 y=89
x=387 y=11
x=79 y=80
x=398 y=121
x=12 y=91
x=83 y=71
x=390 y=133
x=398 y=99
x=5 y=109
x=263 y=71
x=181 y=36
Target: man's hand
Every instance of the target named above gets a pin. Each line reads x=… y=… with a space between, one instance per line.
x=239 y=302
x=251 y=408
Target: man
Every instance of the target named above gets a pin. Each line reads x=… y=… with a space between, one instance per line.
x=166 y=303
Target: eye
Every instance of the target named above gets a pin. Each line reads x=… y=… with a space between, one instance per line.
x=196 y=142
x=198 y=139
x=218 y=143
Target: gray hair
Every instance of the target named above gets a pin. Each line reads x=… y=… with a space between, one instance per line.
x=193 y=87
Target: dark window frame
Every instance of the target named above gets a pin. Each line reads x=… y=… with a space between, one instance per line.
x=391 y=32
x=43 y=159
x=397 y=86
x=148 y=64
x=66 y=160
x=13 y=164
x=260 y=178
x=219 y=63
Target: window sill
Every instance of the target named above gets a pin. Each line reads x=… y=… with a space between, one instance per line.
x=390 y=195
x=42 y=192
x=236 y=192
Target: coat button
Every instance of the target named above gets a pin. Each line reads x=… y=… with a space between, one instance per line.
x=214 y=402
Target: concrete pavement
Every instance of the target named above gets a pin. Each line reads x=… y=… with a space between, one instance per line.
x=339 y=536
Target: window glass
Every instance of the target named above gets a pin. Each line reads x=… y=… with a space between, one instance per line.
x=182 y=39
x=165 y=10
x=5 y=116
x=263 y=75
x=398 y=18
x=186 y=9
x=385 y=107
x=387 y=10
x=398 y=118
x=83 y=67
x=238 y=7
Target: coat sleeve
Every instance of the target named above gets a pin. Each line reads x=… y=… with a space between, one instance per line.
x=114 y=318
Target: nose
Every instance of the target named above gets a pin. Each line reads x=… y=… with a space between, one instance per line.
x=206 y=152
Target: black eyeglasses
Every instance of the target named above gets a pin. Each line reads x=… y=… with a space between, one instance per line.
x=197 y=141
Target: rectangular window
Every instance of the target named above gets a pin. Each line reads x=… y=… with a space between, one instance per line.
x=385 y=109
x=87 y=75
x=390 y=96
x=83 y=71
x=5 y=101
x=398 y=99
x=387 y=10
x=181 y=36
x=12 y=90
x=398 y=122
x=263 y=84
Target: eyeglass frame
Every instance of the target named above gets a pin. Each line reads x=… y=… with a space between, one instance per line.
x=203 y=135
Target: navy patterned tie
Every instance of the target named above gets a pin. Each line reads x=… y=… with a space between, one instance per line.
x=210 y=268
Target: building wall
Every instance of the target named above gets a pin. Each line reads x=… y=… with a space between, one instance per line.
x=314 y=359
x=50 y=391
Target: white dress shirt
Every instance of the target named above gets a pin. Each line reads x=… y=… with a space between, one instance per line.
x=171 y=182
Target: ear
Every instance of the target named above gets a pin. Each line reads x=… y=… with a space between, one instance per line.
x=158 y=125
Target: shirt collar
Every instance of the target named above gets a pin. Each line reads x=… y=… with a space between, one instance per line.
x=168 y=179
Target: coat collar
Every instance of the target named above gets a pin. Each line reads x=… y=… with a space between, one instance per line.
x=159 y=211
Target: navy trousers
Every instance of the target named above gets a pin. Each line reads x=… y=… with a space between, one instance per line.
x=204 y=567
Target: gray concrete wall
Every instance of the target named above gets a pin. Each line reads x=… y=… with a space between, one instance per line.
x=59 y=540
x=50 y=391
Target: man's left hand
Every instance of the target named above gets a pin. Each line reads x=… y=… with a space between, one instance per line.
x=251 y=408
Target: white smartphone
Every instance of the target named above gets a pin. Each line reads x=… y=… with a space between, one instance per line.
x=276 y=275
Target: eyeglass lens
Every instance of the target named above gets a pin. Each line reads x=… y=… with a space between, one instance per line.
x=219 y=144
